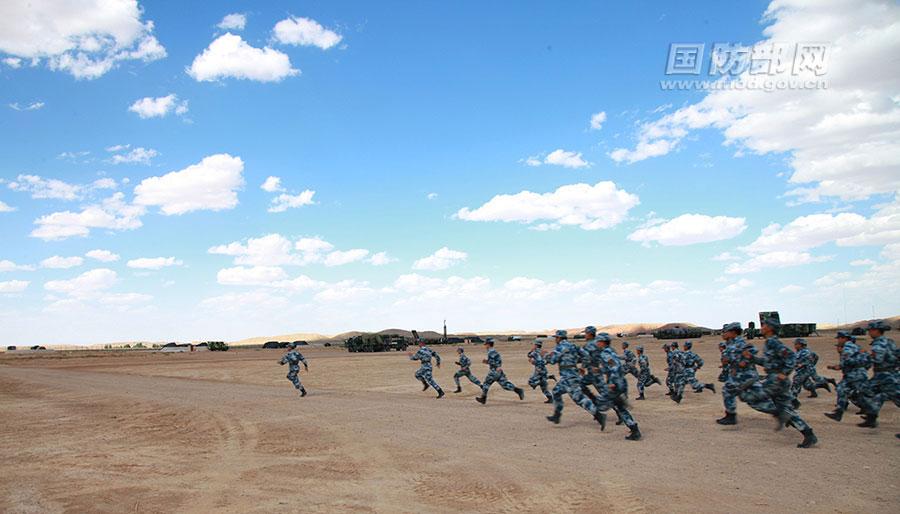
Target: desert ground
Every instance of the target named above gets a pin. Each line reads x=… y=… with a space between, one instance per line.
x=226 y=432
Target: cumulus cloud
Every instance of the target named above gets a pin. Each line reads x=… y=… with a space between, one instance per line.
x=139 y=155
x=112 y=214
x=738 y=286
x=13 y=286
x=776 y=259
x=791 y=289
x=441 y=259
x=85 y=38
x=726 y=256
x=159 y=107
x=57 y=262
x=689 y=229
x=88 y=284
x=285 y=201
x=596 y=207
x=381 y=259
x=862 y=262
x=13 y=62
x=4 y=207
x=41 y=188
x=229 y=56
x=234 y=21
x=33 y=106
x=211 y=184
x=6 y=266
x=268 y=250
x=843 y=140
x=305 y=32
x=250 y=276
x=272 y=185
x=102 y=255
x=339 y=258
x=597 y=120
x=559 y=157
x=153 y=263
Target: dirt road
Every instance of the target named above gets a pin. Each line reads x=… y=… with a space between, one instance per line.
x=223 y=432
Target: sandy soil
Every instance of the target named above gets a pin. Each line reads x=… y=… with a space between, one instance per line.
x=203 y=432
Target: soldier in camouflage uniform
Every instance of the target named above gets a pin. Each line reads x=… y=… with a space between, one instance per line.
x=805 y=375
x=676 y=372
x=646 y=378
x=778 y=361
x=424 y=373
x=742 y=379
x=464 y=364
x=496 y=374
x=692 y=363
x=293 y=359
x=592 y=368
x=613 y=386
x=666 y=347
x=568 y=357
x=540 y=376
x=854 y=385
x=629 y=361
x=885 y=382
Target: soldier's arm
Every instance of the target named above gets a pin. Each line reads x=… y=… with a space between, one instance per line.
x=437 y=358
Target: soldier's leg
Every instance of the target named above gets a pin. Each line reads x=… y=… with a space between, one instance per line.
x=729 y=399
x=577 y=394
x=534 y=380
x=505 y=383
x=621 y=408
x=488 y=382
x=472 y=378
x=756 y=397
x=294 y=377
x=456 y=377
x=429 y=378
x=558 y=391
x=543 y=383
x=797 y=384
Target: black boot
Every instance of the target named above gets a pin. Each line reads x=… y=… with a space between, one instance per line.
x=656 y=381
x=870 y=421
x=519 y=391
x=635 y=434
x=302 y=392
x=831 y=381
x=809 y=439
x=619 y=422
x=729 y=419
x=554 y=418
x=781 y=419
x=813 y=394
x=824 y=386
x=424 y=385
x=481 y=399
x=458 y=389
x=440 y=393
x=599 y=417
x=836 y=415
x=676 y=398
x=795 y=403
x=552 y=377
x=711 y=387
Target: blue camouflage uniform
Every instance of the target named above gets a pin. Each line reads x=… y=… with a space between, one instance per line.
x=854 y=385
x=779 y=361
x=568 y=357
x=465 y=370
x=646 y=378
x=885 y=383
x=691 y=364
x=629 y=361
x=614 y=388
x=539 y=376
x=293 y=359
x=496 y=374
x=677 y=372
x=745 y=380
x=425 y=373
x=805 y=374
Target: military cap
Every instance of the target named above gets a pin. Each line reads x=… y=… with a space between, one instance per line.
x=734 y=326
x=603 y=336
x=800 y=341
x=590 y=329
x=879 y=324
x=562 y=334
x=688 y=344
x=772 y=322
x=625 y=344
x=538 y=343
x=639 y=347
x=674 y=344
x=665 y=346
x=460 y=349
x=843 y=333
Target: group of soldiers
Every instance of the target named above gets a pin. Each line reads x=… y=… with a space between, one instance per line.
x=594 y=375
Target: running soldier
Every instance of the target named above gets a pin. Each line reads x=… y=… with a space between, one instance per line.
x=742 y=379
x=646 y=378
x=885 y=383
x=540 y=376
x=854 y=385
x=424 y=373
x=293 y=359
x=692 y=364
x=629 y=360
x=496 y=374
x=465 y=370
x=805 y=375
x=568 y=357
x=614 y=391
x=676 y=372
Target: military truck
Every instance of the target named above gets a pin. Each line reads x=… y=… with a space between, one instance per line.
x=789 y=329
x=679 y=333
x=376 y=343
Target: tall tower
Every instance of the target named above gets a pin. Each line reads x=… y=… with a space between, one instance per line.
x=445 y=331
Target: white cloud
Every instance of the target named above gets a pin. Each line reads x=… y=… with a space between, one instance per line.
x=272 y=185
x=726 y=256
x=33 y=106
x=57 y=262
x=431 y=196
x=832 y=279
x=738 y=286
x=862 y=262
x=339 y=258
x=285 y=201
x=566 y=159
x=13 y=62
x=689 y=229
x=139 y=155
x=252 y=276
x=41 y=188
x=791 y=289
x=113 y=214
x=776 y=259
x=6 y=266
x=595 y=207
x=234 y=21
x=13 y=286
x=87 y=285
x=153 y=263
x=104 y=183
x=305 y=32
x=85 y=38
x=441 y=259
x=229 y=56
x=381 y=259
x=159 y=107
x=102 y=255
x=268 y=250
x=211 y=184
x=533 y=161
x=843 y=140
x=597 y=120
x=4 y=207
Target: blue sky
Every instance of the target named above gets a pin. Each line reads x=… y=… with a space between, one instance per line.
x=402 y=124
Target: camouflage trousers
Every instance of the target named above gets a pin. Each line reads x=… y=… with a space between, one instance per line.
x=729 y=396
x=496 y=376
x=617 y=400
x=468 y=374
x=854 y=389
x=806 y=379
x=779 y=390
x=756 y=397
x=570 y=383
x=677 y=383
x=645 y=379
x=690 y=377
x=631 y=370
x=294 y=376
x=539 y=379
x=884 y=386
x=424 y=374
